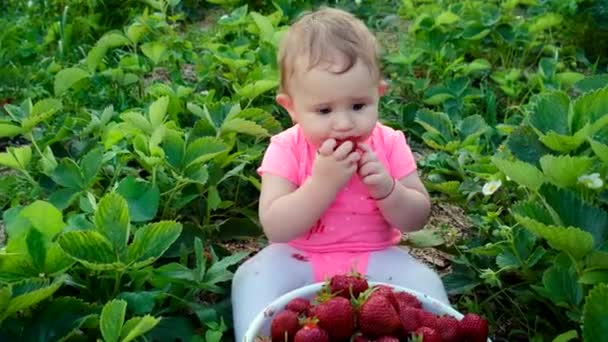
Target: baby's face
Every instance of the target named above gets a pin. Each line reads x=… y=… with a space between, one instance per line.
x=331 y=105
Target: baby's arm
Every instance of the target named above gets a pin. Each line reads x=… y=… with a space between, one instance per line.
x=412 y=216
x=287 y=212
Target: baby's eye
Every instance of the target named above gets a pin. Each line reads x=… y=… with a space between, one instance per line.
x=324 y=110
x=358 y=106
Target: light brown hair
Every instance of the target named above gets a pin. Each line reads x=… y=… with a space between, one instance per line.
x=317 y=36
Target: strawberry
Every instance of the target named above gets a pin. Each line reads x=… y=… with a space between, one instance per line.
x=474 y=328
x=311 y=332
x=298 y=305
x=361 y=338
x=405 y=299
x=284 y=324
x=336 y=316
x=410 y=319
x=428 y=334
x=387 y=339
x=378 y=317
x=448 y=327
x=345 y=284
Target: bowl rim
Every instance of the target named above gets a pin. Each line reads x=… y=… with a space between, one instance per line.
x=279 y=303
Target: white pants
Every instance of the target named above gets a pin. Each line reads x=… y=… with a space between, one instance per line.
x=273 y=272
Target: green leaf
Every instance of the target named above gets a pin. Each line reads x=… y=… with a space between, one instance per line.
x=561 y=282
x=67 y=78
x=594 y=277
x=595 y=314
x=9 y=130
x=141 y=302
x=63 y=198
x=600 y=150
x=16 y=157
x=565 y=170
x=154 y=50
x=203 y=149
x=589 y=108
x=36 y=246
x=533 y=210
x=138 y=121
x=113 y=40
x=570 y=240
x=425 y=238
x=158 y=110
x=437 y=99
x=112 y=319
x=575 y=212
x=136 y=31
x=91 y=164
x=68 y=174
x=60 y=319
x=44 y=217
x=142 y=198
x=566 y=143
x=471 y=127
x=244 y=126
x=264 y=25
x=550 y=113
x=446 y=18
x=526 y=146
x=137 y=326
x=262 y=118
x=254 y=89
x=151 y=241
x=175 y=149
x=28 y=293
x=435 y=122
x=90 y=248
x=591 y=83
x=479 y=64
x=56 y=260
x=545 y=21
x=567 y=336
x=522 y=173
x=43 y=110
x=218 y=272
x=568 y=78
x=95 y=57
x=112 y=220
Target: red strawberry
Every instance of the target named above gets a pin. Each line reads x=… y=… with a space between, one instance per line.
x=427 y=319
x=298 y=305
x=410 y=319
x=428 y=334
x=448 y=327
x=405 y=299
x=378 y=317
x=310 y=332
x=342 y=285
x=336 y=316
x=361 y=338
x=284 y=323
x=387 y=339
x=474 y=328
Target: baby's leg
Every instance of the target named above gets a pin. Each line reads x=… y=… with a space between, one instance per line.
x=274 y=271
x=395 y=265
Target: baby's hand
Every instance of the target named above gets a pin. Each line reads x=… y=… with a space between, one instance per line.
x=334 y=168
x=374 y=174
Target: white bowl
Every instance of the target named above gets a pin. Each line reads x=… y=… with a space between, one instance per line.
x=261 y=323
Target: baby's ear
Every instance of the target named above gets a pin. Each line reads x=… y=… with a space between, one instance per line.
x=286 y=102
x=382 y=86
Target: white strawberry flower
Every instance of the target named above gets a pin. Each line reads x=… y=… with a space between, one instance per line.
x=490 y=187
x=592 y=181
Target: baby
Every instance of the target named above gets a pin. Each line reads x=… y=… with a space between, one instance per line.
x=338 y=187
